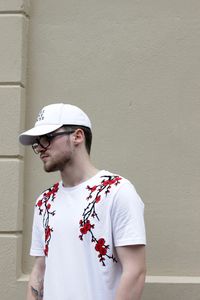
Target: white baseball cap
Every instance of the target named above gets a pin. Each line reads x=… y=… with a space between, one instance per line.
x=52 y=117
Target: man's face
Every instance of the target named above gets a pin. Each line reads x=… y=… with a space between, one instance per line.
x=59 y=152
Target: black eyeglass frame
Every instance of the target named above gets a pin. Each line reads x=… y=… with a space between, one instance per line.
x=49 y=137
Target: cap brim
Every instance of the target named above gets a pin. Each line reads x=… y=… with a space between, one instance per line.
x=28 y=137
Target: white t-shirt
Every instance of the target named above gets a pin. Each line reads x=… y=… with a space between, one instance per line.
x=77 y=229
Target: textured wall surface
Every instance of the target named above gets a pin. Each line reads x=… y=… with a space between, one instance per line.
x=134 y=67
x=14 y=6
x=13 y=36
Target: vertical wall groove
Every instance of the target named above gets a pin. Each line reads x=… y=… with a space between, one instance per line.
x=13 y=49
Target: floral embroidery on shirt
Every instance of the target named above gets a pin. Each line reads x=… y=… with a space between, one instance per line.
x=44 y=207
x=96 y=193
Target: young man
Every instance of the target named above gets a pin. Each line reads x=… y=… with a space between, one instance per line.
x=88 y=230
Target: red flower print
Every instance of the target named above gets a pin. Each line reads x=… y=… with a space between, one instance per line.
x=112 y=181
x=86 y=227
x=97 y=199
x=39 y=204
x=55 y=188
x=46 y=250
x=95 y=195
x=48 y=206
x=106 y=182
x=101 y=242
x=48 y=231
x=48 y=196
x=102 y=251
x=92 y=189
x=83 y=230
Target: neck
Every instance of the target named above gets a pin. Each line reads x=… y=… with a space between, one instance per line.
x=78 y=172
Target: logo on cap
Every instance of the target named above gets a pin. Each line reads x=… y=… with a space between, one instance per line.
x=40 y=115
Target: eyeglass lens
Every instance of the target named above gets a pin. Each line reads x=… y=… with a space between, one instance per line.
x=45 y=140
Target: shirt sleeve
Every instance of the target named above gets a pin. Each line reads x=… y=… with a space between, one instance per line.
x=128 y=217
x=37 y=243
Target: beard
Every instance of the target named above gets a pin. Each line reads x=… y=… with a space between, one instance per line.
x=50 y=168
x=56 y=164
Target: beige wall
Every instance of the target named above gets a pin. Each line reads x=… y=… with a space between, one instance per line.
x=13 y=40
x=134 y=67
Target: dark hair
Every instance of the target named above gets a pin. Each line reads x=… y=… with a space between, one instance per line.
x=87 y=132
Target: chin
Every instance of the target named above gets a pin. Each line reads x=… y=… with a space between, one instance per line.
x=50 y=169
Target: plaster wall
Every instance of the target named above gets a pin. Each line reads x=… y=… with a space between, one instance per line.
x=134 y=67
x=13 y=41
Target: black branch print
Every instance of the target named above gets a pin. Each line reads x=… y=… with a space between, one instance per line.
x=96 y=194
x=44 y=207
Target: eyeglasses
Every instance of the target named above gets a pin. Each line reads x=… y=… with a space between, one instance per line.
x=44 y=141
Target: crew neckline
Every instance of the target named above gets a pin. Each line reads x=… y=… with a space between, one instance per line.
x=71 y=188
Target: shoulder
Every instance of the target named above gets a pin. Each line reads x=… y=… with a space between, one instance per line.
x=120 y=187
x=121 y=182
x=125 y=191
x=52 y=189
x=108 y=178
x=47 y=194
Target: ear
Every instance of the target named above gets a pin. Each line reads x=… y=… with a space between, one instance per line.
x=78 y=137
